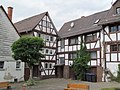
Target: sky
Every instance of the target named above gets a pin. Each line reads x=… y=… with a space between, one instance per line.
x=60 y=11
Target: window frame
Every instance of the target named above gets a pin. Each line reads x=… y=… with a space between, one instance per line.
x=91 y=37
x=18 y=64
x=73 y=41
x=113 y=47
x=62 y=43
x=2 y=64
x=118 y=10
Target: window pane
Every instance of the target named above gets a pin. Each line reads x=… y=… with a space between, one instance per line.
x=18 y=64
x=62 y=61
x=73 y=41
x=113 y=47
x=113 y=29
x=62 y=43
x=118 y=10
x=1 y=64
x=93 y=54
x=72 y=56
x=118 y=27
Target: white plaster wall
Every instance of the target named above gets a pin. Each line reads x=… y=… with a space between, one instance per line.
x=107 y=29
x=59 y=43
x=98 y=54
x=93 y=63
x=59 y=49
x=10 y=70
x=37 y=27
x=113 y=37
x=53 y=32
x=107 y=38
x=66 y=56
x=66 y=48
x=66 y=42
x=70 y=48
x=88 y=46
x=113 y=67
x=74 y=48
x=108 y=48
x=92 y=45
x=118 y=36
x=70 y=63
x=66 y=62
x=97 y=45
x=119 y=56
x=107 y=57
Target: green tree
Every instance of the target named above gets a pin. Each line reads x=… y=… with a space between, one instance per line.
x=80 y=65
x=28 y=50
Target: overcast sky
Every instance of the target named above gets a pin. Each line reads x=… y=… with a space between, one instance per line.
x=60 y=11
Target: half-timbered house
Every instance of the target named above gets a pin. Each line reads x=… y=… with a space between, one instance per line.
x=100 y=32
x=41 y=26
x=10 y=70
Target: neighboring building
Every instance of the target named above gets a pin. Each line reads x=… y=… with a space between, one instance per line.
x=101 y=34
x=10 y=70
x=41 y=26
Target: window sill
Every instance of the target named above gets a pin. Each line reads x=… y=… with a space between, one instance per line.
x=1 y=69
x=18 y=69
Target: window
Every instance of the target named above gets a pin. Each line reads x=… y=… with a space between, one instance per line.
x=62 y=60
x=50 y=51
x=18 y=64
x=113 y=28
x=93 y=55
x=47 y=51
x=39 y=35
x=73 y=41
x=118 y=10
x=72 y=55
x=113 y=47
x=44 y=23
x=62 y=43
x=1 y=64
x=51 y=38
x=47 y=38
x=118 y=27
x=91 y=37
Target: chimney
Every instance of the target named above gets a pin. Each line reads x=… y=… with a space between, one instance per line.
x=10 y=10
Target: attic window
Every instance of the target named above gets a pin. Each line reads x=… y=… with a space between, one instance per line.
x=72 y=24
x=118 y=10
x=96 y=22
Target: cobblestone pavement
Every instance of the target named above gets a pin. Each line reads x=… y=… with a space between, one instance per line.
x=60 y=84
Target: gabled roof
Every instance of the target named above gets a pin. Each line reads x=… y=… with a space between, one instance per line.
x=9 y=19
x=88 y=24
x=29 y=23
x=8 y=34
x=82 y=25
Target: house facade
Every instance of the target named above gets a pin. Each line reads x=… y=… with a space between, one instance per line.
x=101 y=35
x=10 y=70
x=41 y=26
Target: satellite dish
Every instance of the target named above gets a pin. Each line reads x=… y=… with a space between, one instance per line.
x=72 y=24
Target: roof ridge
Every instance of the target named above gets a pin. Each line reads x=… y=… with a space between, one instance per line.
x=30 y=17
x=87 y=16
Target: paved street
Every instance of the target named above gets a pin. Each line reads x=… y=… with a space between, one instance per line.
x=60 y=84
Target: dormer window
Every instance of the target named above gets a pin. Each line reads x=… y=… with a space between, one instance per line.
x=118 y=10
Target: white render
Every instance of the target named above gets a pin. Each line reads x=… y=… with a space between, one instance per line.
x=8 y=35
